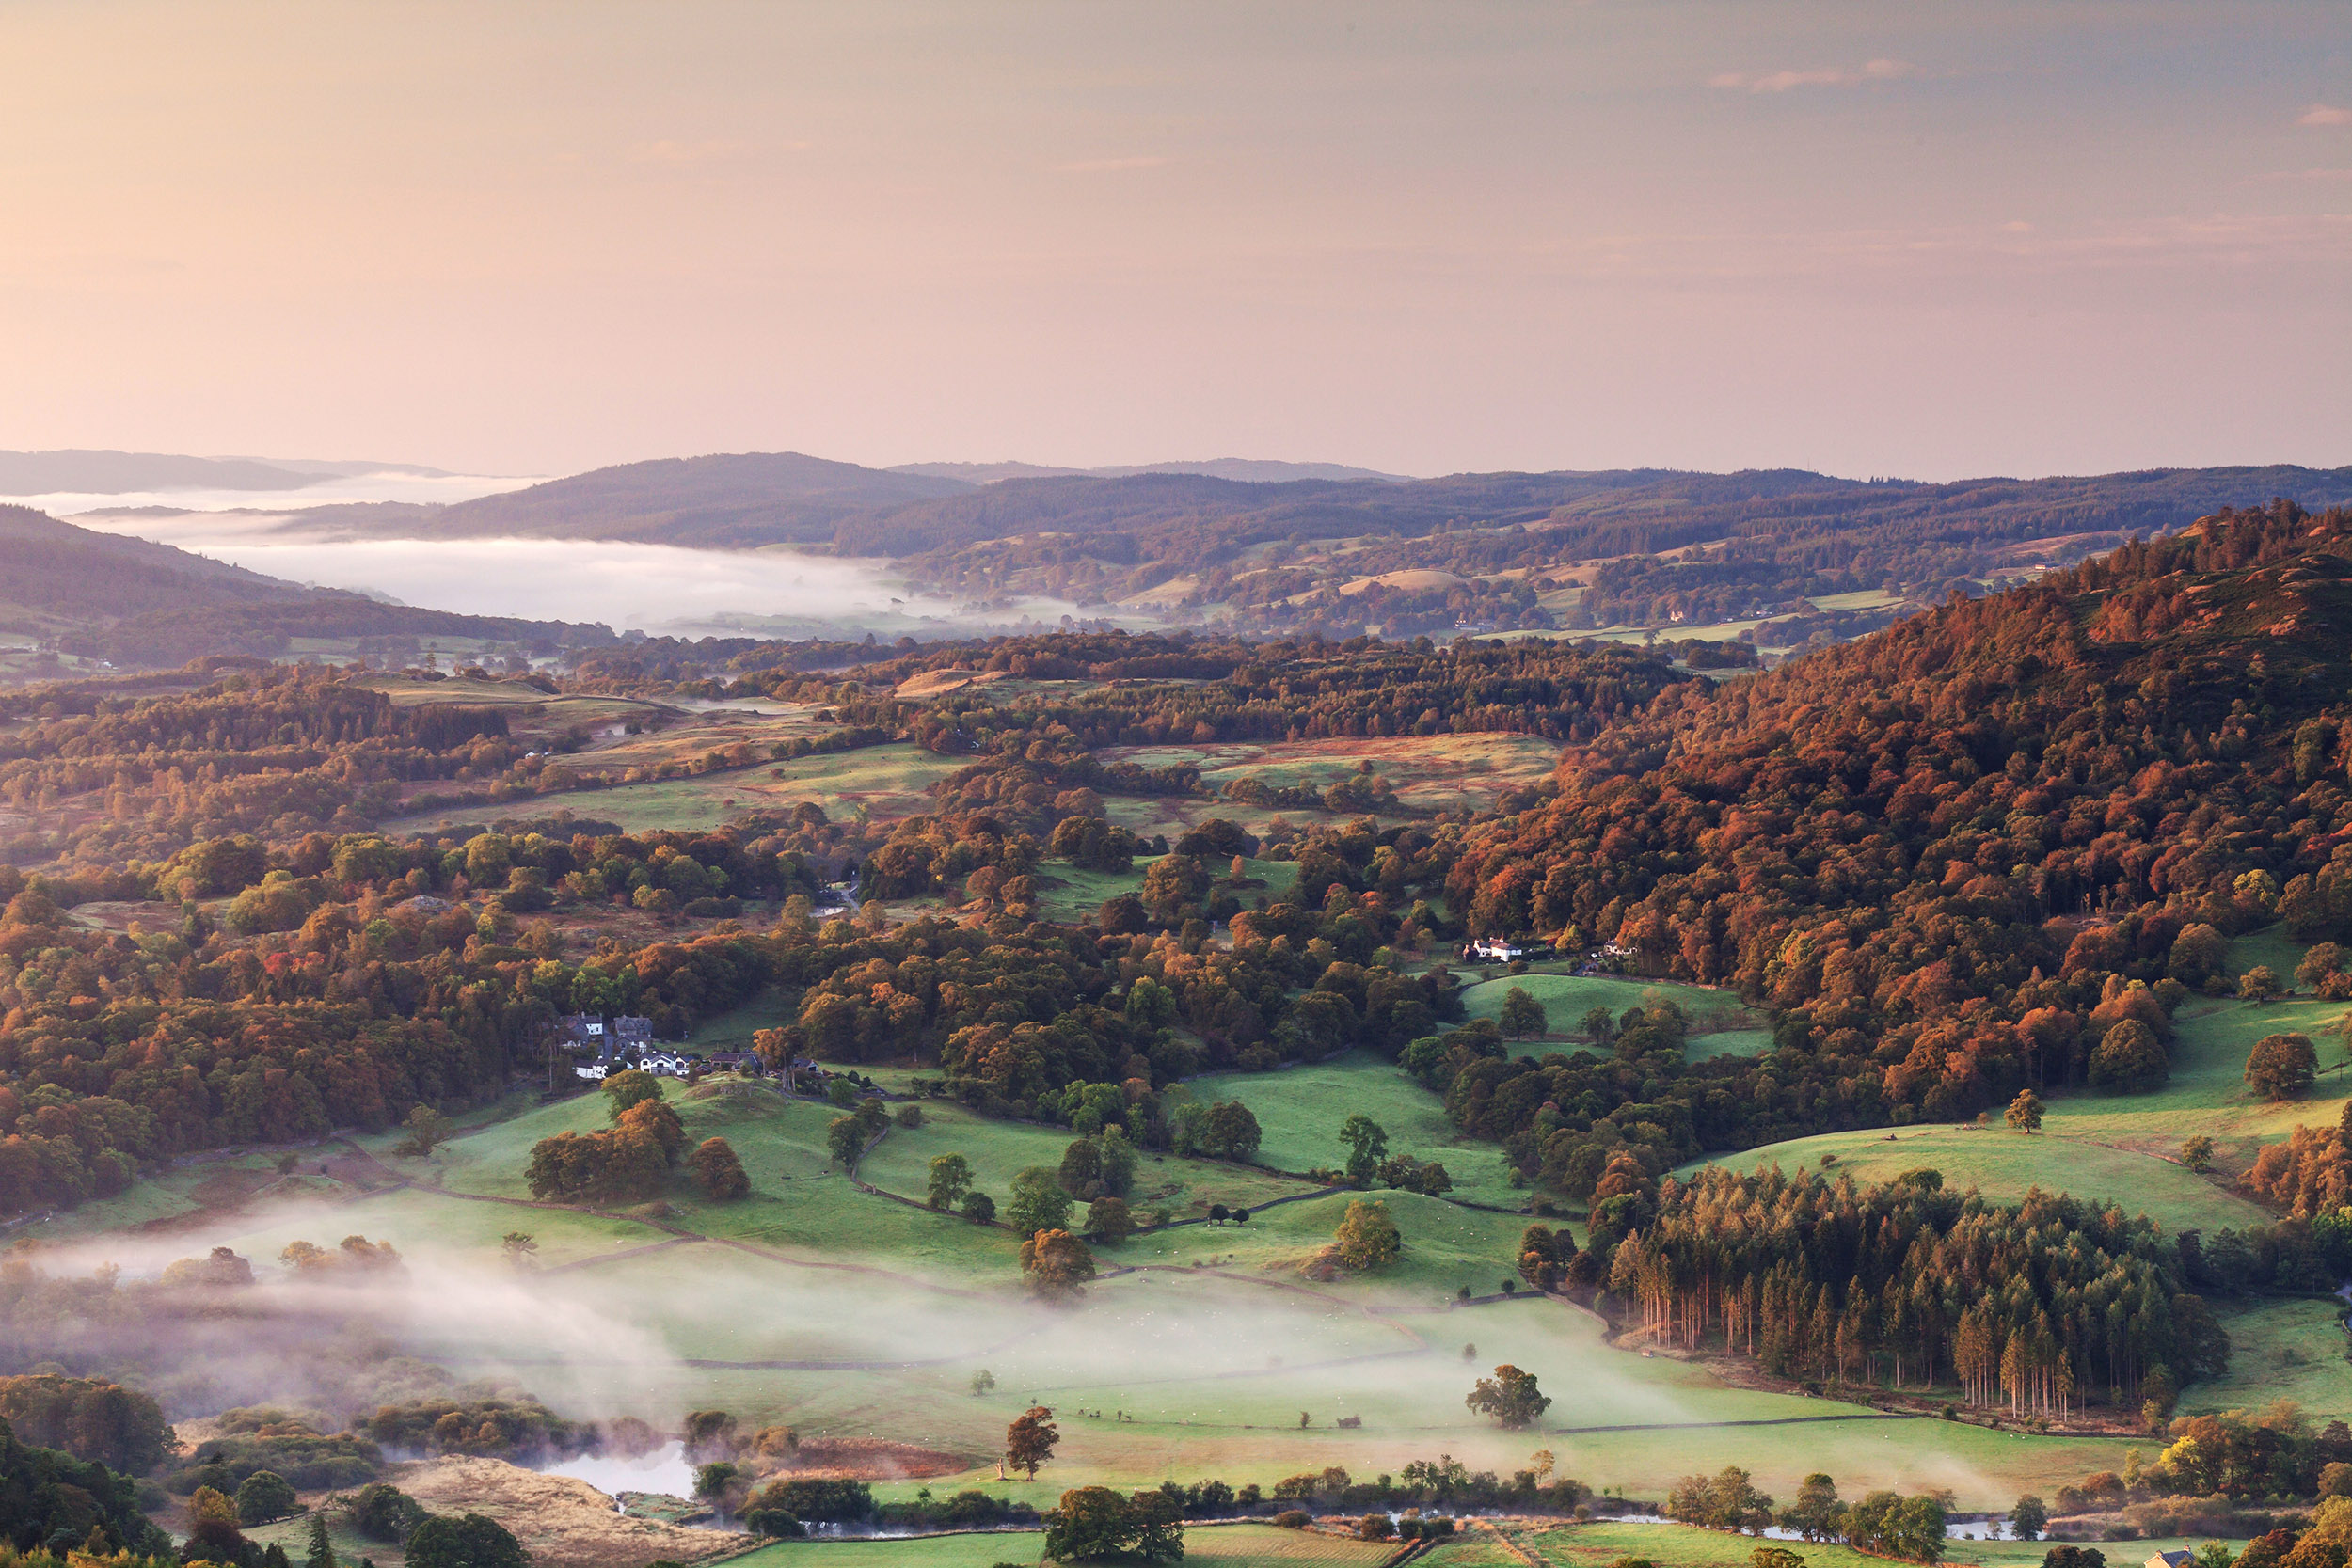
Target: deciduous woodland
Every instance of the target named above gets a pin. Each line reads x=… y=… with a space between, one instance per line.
x=1997 y=847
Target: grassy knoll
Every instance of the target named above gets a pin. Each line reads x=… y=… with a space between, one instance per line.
x=1428 y=771
x=2005 y=1165
x=1566 y=998
x=999 y=1150
x=732 y=1029
x=2291 y=1349
x=886 y=781
x=1300 y=1109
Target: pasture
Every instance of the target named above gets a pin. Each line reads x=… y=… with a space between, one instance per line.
x=1566 y=998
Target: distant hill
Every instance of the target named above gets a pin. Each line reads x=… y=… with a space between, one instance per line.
x=114 y=473
x=1252 y=469
x=732 y=500
x=132 y=602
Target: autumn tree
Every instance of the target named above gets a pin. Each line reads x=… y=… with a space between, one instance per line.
x=1030 y=1440
x=2024 y=1111
x=2129 y=1056
x=1510 y=1397
x=2282 y=1067
x=719 y=1172
x=428 y=1129
x=1057 y=1264
x=1368 y=1237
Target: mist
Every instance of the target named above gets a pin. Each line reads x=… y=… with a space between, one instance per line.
x=653 y=588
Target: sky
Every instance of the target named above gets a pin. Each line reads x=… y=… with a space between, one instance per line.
x=1932 y=241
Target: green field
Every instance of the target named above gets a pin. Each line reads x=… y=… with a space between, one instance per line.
x=1300 y=1109
x=1601 y=1544
x=2004 y=1165
x=885 y=781
x=1228 y=1545
x=1566 y=998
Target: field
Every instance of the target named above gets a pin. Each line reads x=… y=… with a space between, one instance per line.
x=1566 y=998
x=1067 y=892
x=1601 y=1544
x=1428 y=771
x=880 y=780
x=1196 y=1353
x=1225 y=1546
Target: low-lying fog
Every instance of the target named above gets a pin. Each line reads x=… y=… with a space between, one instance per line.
x=655 y=588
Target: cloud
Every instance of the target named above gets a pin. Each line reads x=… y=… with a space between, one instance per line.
x=2323 y=114
x=2298 y=175
x=1107 y=165
x=1828 y=76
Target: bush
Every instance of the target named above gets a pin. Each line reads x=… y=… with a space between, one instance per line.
x=386 y=1514
x=815 y=1497
x=1293 y=1518
x=773 y=1522
x=265 y=1495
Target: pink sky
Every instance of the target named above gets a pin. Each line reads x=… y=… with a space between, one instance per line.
x=1869 y=238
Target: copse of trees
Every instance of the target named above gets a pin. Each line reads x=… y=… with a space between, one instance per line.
x=1906 y=1284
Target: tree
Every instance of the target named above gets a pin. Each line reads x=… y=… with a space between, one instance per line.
x=2024 y=1111
x=1038 y=1202
x=2129 y=1056
x=1057 y=1264
x=427 y=1130
x=844 y=1137
x=983 y=1381
x=1894 y=1525
x=1815 y=1513
x=1774 y=1556
x=264 y=1496
x=1095 y=1523
x=2197 y=1153
x=950 y=1179
x=718 y=1170
x=631 y=1088
x=321 y=1550
x=1367 y=1237
x=1599 y=1025
x=1231 y=1133
x=1522 y=1017
x=1109 y=1220
x=466 y=1541
x=1367 y=1146
x=1030 y=1441
x=2259 y=983
x=2029 y=1517
x=518 y=1247
x=2073 y=1557
x=2282 y=1067
x=979 y=1208
x=1510 y=1397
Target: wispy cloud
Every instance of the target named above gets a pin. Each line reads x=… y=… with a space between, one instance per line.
x=1827 y=76
x=2323 y=114
x=1107 y=165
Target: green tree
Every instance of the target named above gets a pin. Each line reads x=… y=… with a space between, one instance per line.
x=978 y=1208
x=2129 y=1056
x=519 y=1248
x=1816 y=1511
x=1367 y=1146
x=1037 y=1202
x=427 y=1130
x=1030 y=1440
x=844 y=1137
x=2024 y=1111
x=264 y=1496
x=1510 y=1397
x=1231 y=1132
x=2197 y=1153
x=2029 y=1517
x=1368 y=1237
x=950 y=1179
x=470 y=1541
x=1522 y=1017
x=322 y=1552
x=631 y=1087
x=1117 y=1161
x=2282 y=1067
x=2259 y=983
x=1095 y=1523
x=1109 y=1220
